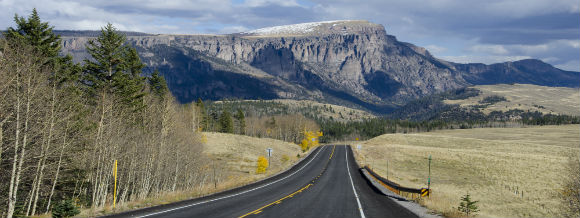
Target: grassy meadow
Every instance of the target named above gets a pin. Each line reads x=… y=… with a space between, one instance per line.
x=512 y=172
x=235 y=156
x=555 y=100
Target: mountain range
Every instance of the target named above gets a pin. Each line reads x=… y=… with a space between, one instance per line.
x=353 y=63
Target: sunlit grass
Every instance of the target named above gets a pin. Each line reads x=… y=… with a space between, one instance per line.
x=513 y=172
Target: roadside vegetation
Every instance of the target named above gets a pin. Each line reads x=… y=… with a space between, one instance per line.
x=511 y=172
x=63 y=125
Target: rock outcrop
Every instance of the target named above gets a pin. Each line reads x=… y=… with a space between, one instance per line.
x=347 y=62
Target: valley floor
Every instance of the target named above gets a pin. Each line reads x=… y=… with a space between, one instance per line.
x=512 y=172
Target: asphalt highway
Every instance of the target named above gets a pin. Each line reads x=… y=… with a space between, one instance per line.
x=326 y=184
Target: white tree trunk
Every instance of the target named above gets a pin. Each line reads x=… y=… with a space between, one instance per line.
x=11 y=191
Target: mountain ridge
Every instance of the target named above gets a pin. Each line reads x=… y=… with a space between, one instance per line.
x=353 y=63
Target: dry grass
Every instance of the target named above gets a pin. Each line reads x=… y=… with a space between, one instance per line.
x=235 y=159
x=239 y=154
x=557 y=100
x=336 y=112
x=490 y=164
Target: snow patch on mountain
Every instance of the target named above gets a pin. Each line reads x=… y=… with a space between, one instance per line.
x=301 y=28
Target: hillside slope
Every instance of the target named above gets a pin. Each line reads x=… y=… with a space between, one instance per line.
x=353 y=63
x=512 y=172
x=555 y=100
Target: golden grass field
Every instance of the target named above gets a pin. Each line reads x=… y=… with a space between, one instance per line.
x=235 y=159
x=556 y=100
x=489 y=164
x=238 y=155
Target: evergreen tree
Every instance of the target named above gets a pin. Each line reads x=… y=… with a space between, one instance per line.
x=35 y=33
x=32 y=31
x=202 y=114
x=241 y=120
x=467 y=206
x=158 y=84
x=65 y=208
x=226 y=124
x=116 y=68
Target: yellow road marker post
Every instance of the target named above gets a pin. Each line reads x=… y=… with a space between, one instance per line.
x=115 y=186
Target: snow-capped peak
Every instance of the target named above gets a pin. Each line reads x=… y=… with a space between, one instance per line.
x=301 y=28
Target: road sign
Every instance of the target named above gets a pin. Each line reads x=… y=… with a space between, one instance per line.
x=269 y=150
x=424 y=192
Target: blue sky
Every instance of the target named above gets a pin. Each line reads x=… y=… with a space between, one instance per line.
x=485 y=31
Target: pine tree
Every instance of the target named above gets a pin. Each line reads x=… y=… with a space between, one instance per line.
x=202 y=114
x=107 y=51
x=131 y=85
x=241 y=120
x=467 y=206
x=35 y=33
x=32 y=31
x=116 y=68
x=158 y=84
x=226 y=124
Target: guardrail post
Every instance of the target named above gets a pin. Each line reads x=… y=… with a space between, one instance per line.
x=429 y=178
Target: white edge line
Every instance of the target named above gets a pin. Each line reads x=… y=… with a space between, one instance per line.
x=360 y=209
x=239 y=193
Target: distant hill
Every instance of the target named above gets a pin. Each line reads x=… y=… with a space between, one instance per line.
x=350 y=63
x=492 y=102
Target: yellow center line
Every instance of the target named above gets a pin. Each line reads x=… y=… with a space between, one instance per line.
x=279 y=201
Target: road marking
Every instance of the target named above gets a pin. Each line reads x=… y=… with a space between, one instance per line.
x=259 y=210
x=279 y=201
x=233 y=195
x=362 y=214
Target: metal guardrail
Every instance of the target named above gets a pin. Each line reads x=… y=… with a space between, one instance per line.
x=396 y=188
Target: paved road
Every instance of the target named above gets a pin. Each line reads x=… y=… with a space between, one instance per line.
x=326 y=184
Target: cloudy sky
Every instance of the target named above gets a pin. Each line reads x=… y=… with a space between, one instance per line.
x=485 y=31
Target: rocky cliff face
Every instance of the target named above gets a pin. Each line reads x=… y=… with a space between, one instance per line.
x=349 y=62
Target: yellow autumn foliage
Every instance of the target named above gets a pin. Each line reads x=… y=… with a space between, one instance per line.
x=262 y=165
x=310 y=140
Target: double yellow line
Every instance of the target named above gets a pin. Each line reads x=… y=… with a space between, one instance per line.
x=279 y=201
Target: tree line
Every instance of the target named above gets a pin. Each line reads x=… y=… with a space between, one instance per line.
x=256 y=119
x=455 y=119
x=63 y=124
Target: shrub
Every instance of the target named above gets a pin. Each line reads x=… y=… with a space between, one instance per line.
x=467 y=206
x=285 y=158
x=64 y=208
x=262 y=164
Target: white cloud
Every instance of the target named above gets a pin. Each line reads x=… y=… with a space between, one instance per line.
x=447 y=27
x=489 y=49
x=260 y=3
x=522 y=8
x=483 y=59
x=573 y=65
x=435 y=49
x=233 y=29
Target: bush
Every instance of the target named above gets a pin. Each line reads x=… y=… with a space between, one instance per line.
x=285 y=158
x=65 y=208
x=467 y=206
x=262 y=164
